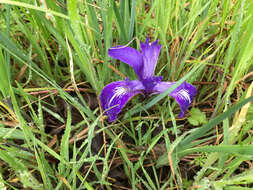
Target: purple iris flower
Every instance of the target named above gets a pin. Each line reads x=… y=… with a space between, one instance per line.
x=115 y=95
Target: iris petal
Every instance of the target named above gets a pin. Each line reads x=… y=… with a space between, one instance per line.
x=129 y=56
x=115 y=95
x=150 y=53
x=183 y=94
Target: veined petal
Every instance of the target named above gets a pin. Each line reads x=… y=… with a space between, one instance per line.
x=183 y=94
x=115 y=95
x=129 y=56
x=150 y=53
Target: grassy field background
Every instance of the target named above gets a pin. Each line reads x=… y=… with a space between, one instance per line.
x=54 y=63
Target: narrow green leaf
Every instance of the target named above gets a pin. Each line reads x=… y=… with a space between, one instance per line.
x=246 y=150
x=29 y=6
x=65 y=138
x=197 y=133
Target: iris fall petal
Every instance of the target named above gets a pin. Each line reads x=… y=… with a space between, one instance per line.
x=183 y=94
x=115 y=95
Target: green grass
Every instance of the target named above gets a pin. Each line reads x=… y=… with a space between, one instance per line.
x=54 y=64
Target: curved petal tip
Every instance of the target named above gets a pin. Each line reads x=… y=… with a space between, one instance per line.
x=183 y=94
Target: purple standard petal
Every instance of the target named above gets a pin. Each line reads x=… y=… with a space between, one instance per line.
x=183 y=94
x=150 y=53
x=129 y=56
x=115 y=95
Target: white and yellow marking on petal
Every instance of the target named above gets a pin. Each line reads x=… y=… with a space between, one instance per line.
x=118 y=92
x=184 y=94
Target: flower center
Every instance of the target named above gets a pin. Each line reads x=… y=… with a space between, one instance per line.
x=149 y=83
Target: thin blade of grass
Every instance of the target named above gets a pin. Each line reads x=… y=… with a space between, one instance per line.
x=29 y=6
x=4 y=78
x=197 y=133
x=240 y=150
